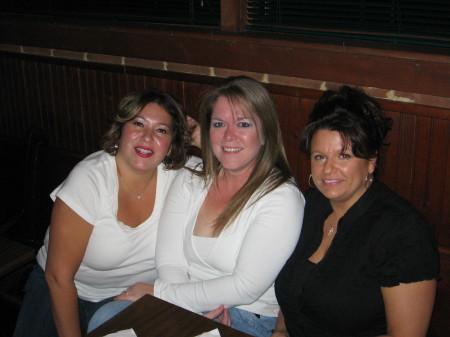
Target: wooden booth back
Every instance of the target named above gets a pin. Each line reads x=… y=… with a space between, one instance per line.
x=73 y=102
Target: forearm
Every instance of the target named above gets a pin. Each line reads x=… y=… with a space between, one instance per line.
x=280 y=327
x=201 y=296
x=65 y=307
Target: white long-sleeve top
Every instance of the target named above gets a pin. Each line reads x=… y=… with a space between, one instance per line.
x=244 y=261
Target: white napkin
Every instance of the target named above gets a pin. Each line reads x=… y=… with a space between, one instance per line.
x=211 y=333
x=122 y=333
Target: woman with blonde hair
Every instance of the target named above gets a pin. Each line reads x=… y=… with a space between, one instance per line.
x=228 y=227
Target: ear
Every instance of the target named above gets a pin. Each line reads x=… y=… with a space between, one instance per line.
x=372 y=165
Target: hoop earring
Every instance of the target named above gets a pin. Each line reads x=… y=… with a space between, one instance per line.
x=368 y=181
x=309 y=182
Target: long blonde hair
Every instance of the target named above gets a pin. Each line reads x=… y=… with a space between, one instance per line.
x=271 y=169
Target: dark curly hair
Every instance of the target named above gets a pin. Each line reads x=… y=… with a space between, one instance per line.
x=131 y=106
x=355 y=115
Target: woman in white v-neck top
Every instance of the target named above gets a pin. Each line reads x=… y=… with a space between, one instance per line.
x=102 y=235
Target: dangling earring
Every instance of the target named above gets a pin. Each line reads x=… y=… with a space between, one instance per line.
x=309 y=182
x=368 y=181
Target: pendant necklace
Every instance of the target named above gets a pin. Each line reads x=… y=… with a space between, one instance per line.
x=138 y=195
x=331 y=230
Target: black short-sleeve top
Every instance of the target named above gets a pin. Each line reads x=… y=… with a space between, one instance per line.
x=382 y=241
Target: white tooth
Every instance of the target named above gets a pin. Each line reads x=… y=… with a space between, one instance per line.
x=144 y=151
x=232 y=149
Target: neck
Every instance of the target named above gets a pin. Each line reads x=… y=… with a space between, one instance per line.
x=339 y=210
x=134 y=178
x=231 y=180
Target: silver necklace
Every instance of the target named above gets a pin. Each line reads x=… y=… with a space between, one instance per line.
x=138 y=195
x=333 y=228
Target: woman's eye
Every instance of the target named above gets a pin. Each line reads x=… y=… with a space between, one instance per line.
x=318 y=157
x=217 y=124
x=244 y=124
x=164 y=131
x=344 y=156
x=137 y=123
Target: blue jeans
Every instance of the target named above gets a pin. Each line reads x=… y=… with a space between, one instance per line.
x=106 y=312
x=240 y=319
x=35 y=317
x=247 y=322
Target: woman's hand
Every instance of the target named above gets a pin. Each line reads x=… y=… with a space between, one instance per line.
x=280 y=327
x=221 y=313
x=195 y=129
x=280 y=334
x=135 y=292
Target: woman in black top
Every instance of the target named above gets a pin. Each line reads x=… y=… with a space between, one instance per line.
x=366 y=263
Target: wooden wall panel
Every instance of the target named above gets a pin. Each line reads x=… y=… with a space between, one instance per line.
x=290 y=124
x=421 y=165
x=73 y=104
x=304 y=167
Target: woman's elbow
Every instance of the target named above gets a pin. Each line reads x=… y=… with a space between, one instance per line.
x=56 y=279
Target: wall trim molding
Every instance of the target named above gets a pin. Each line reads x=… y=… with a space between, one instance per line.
x=192 y=69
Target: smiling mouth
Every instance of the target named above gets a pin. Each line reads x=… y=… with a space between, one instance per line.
x=144 y=151
x=331 y=181
x=232 y=149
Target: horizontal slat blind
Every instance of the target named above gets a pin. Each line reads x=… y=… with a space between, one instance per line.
x=186 y=12
x=413 y=21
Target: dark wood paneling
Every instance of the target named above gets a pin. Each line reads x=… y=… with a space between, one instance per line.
x=371 y=64
x=73 y=102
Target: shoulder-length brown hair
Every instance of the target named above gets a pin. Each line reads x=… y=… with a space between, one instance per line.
x=131 y=106
x=271 y=169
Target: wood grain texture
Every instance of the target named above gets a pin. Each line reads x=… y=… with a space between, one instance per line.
x=73 y=102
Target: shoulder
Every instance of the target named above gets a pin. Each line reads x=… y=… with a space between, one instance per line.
x=95 y=170
x=99 y=161
x=194 y=162
x=403 y=246
x=185 y=179
x=286 y=196
x=316 y=202
x=395 y=212
x=313 y=194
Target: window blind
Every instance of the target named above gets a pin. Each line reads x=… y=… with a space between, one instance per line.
x=186 y=12
x=415 y=21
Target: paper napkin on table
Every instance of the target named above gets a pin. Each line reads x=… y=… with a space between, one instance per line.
x=212 y=333
x=122 y=333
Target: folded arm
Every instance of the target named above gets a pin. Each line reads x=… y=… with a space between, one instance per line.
x=265 y=246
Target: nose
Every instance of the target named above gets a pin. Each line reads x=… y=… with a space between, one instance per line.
x=147 y=135
x=230 y=134
x=328 y=166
